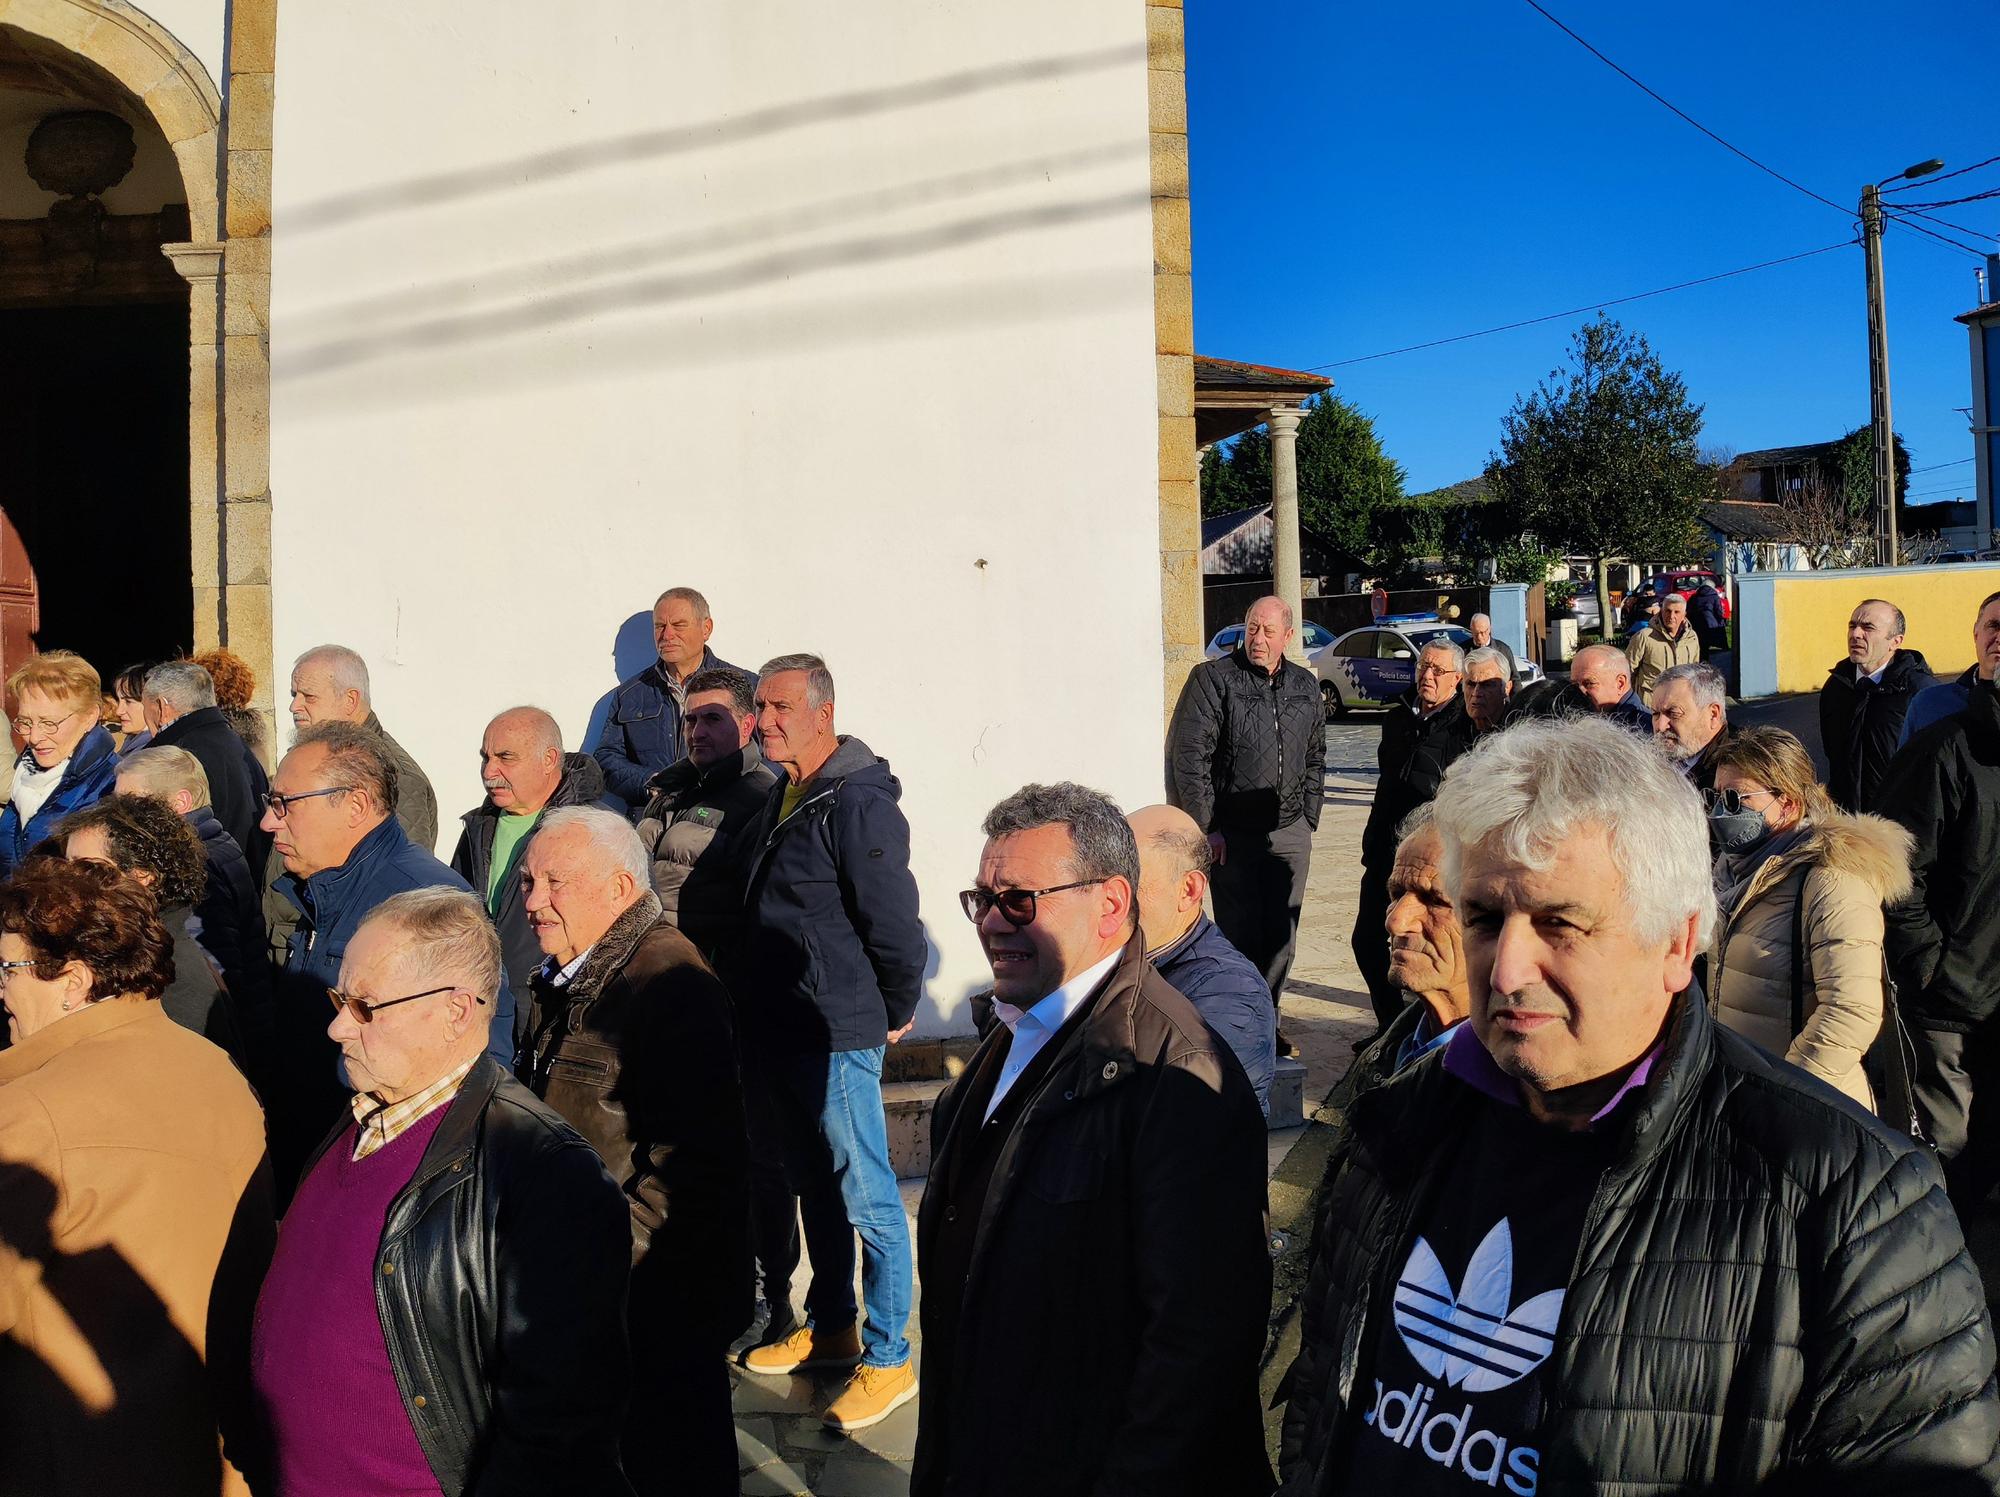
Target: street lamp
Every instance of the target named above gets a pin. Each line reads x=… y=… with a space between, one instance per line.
x=1878 y=362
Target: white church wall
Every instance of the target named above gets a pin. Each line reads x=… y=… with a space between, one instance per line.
x=841 y=314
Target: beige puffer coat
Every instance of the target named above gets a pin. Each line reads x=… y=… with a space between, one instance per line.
x=1852 y=865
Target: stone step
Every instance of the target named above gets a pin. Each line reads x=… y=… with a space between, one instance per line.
x=1288 y=1095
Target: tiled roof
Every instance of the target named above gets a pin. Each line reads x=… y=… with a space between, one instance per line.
x=1213 y=373
x=1745 y=520
x=1784 y=457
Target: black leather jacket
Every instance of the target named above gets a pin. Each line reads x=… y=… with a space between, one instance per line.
x=500 y=1283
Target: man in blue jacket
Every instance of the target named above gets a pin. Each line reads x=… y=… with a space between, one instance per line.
x=1190 y=951
x=1949 y=698
x=826 y=971
x=644 y=734
x=331 y=813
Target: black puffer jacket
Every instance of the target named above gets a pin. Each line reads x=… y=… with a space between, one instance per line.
x=1246 y=751
x=1771 y=1293
x=1859 y=725
x=1413 y=754
x=1944 y=940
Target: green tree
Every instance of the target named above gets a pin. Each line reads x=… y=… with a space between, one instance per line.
x=1237 y=476
x=1344 y=474
x=1603 y=459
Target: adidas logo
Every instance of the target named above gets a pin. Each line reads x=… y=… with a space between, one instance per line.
x=1451 y=1440
x=1470 y=1337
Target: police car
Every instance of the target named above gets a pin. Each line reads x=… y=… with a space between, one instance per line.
x=1315 y=637
x=1373 y=667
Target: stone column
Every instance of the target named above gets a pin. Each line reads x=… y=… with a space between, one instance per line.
x=1285 y=518
x=201 y=266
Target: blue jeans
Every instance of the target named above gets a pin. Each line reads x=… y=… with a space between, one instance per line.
x=837 y=1157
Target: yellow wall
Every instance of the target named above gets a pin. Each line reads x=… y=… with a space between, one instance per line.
x=1812 y=609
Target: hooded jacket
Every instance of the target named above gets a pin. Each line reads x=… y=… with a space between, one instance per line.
x=1845 y=868
x=830 y=954
x=1771 y=1293
x=1944 y=940
x=236 y=780
x=700 y=828
x=90 y=776
x=582 y=784
x=1246 y=751
x=1861 y=722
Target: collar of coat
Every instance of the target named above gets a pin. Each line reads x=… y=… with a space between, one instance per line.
x=682 y=776
x=93 y=1019
x=610 y=953
x=1104 y=1051
x=1286 y=666
x=1872 y=849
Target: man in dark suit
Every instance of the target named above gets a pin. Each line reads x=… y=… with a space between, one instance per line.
x=180 y=707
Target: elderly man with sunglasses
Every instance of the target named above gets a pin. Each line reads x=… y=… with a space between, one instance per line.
x=1096 y=1279
x=445 y=1308
x=331 y=814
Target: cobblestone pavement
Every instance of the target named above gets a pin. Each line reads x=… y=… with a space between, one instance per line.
x=784 y=1449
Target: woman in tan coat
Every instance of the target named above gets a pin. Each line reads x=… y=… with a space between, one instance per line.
x=135 y=1209
x=1802 y=885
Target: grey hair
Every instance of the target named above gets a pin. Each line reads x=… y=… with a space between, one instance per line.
x=448 y=934
x=542 y=724
x=609 y=834
x=345 y=669
x=1680 y=598
x=819 y=680
x=1283 y=608
x=1485 y=655
x=1708 y=685
x=182 y=685
x=742 y=690
x=1422 y=819
x=1530 y=788
x=1477 y=617
x=356 y=759
x=1100 y=835
x=1445 y=647
x=688 y=596
x=1611 y=655
x=165 y=771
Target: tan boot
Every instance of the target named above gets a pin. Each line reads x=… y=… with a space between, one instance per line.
x=871 y=1395
x=804 y=1350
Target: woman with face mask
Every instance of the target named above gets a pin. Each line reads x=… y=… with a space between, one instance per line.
x=1796 y=965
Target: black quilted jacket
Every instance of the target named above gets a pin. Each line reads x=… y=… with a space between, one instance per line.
x=1247 y=750
x=1772 y=1293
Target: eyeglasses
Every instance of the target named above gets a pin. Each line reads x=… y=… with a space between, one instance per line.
x=365 y=1009
x=1435 y=670
x=6 y=967
x=281 y=805
x=1016 y=906
x=1730 y=802
x=30 y=725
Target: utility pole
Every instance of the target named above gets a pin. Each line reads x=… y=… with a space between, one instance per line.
x=1881 y=430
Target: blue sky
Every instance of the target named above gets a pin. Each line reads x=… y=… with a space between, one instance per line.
x=1367 y=176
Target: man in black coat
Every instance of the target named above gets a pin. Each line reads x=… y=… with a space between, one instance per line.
x=1423 y=734
x=1944 y=940
x=525 y=772
x=180 y=704
x=1246 y=758
x=1096 y=1275
x=1864 y=701
x=1599 y=1243
x=630 y=1039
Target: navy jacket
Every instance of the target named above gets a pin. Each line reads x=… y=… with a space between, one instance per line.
x=229 y=925
x=830 y=955
x=93 y=770
x=1935 y=703
x=1231 y=996
x=644 y=734
x=236 y=781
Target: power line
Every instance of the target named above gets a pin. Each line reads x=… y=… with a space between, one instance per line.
x=1971 y=197
x=1675 y=108
x=1956 y=462
x=1934 y=219
x=1963 y=249
x=1615 y=301
x=1944 y=176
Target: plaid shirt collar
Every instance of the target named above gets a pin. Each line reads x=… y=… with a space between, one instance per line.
x=379 y=1124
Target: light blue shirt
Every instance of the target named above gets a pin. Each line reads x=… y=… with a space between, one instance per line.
x=1034 y=1027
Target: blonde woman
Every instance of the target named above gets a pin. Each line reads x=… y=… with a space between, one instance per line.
x=1796 y=965
x=69 y=761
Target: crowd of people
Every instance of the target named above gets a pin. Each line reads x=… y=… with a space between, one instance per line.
x=328 y=1167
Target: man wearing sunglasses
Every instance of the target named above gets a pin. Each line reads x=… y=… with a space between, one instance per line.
x=445 y=1308
x=1096 y=1275
x=331 y=816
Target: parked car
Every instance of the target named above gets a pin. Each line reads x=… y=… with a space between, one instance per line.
x=1686 y=580
x=1374 y=666
x=1316 y=637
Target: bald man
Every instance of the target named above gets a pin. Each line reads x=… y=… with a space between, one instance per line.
x=525 y=772
x=1600 y=682
x=1187 y=948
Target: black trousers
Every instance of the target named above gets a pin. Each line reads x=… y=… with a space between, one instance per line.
x=1370 y=942
x=680 y=1432
x=1259 y=889
x=774 y=1209
x=1957 y=1087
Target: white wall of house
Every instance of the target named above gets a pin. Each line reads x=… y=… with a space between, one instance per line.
x=841 y=314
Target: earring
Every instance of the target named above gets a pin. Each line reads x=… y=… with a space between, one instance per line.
x=68 y=1006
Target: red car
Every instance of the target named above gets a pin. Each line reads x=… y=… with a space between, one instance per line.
x=1685 y=582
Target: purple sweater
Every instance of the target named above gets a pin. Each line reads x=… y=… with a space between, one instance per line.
x=321 y=1365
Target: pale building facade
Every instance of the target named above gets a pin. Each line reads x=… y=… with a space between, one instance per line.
x=871 y=321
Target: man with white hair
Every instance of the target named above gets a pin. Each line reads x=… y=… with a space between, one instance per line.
x=1488 y=684
x=179 y=702
x=1670 y=642
x=1597 y=1241
x=330 y=684
x=1691 y=719
x=1480 y=626
x=630 y=1038
x=445 y=1309
x=645 y=732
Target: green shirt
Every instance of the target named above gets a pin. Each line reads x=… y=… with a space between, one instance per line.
x=794 y=792
x=508 y=834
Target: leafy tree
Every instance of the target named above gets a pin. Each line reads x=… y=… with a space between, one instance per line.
x=1603 y=459
x=1238 y=476
x=1343 y=473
